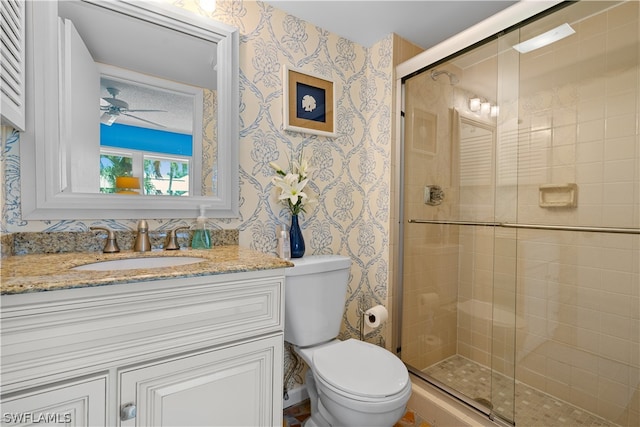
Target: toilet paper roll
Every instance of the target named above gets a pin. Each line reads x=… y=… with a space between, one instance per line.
x=375 y=316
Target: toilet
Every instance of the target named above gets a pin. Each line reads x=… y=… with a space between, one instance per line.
x=351 y=382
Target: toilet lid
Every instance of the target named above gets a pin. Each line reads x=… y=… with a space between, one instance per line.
x=360 y=369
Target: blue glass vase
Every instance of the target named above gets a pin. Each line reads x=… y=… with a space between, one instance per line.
x=295 y=238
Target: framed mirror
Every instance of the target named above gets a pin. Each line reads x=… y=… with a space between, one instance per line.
x=133 y=112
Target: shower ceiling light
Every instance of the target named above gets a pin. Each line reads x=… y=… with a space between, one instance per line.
x=485 y=108
x=474 y=104
x=544 y=39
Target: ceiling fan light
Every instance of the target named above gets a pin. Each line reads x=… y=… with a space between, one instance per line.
x=208 y=5
x=107 y=119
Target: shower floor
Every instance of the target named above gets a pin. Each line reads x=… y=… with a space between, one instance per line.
x=532 y=407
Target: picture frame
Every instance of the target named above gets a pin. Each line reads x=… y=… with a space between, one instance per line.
x=309 y=103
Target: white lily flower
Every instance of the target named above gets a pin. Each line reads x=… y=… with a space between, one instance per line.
x=301 y=167
x=291 y=188
x=292 y=184
x=277 y=168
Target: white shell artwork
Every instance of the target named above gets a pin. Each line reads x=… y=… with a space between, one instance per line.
x=308 y=103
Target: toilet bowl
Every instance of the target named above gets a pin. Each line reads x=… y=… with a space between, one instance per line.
x=351 y=382
x=355 y=383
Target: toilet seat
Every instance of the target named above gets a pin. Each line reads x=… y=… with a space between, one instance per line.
x=362 y=370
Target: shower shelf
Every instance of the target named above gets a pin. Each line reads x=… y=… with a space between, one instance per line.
x=558 y=196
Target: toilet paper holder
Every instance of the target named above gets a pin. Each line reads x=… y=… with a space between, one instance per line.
x=372 y=318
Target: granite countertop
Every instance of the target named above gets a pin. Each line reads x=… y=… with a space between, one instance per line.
x=48 y=272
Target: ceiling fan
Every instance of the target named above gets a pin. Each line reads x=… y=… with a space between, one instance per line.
x=117 y=107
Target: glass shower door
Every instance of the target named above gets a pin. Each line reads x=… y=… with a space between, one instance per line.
x=450 y=241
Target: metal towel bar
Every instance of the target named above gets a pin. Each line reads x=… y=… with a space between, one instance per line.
x=617 y=230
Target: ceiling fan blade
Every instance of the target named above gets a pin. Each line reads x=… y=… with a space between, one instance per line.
x=119 y=103
x=144 y=120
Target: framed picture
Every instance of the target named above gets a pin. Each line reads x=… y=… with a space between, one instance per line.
x=423 y=131
x=309 y=103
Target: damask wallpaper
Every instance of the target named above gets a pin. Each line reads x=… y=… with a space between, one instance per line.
x=350 y=174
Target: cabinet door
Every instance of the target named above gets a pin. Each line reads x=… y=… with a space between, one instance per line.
x=77 y=403
x=12 y=66
x=232 y=386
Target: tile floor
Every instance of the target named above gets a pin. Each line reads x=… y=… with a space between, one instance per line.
x=295 y=415
x=532 y=407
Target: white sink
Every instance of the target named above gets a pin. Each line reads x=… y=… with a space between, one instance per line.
x=133 y=263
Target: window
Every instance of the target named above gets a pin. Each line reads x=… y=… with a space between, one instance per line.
x=162 y=175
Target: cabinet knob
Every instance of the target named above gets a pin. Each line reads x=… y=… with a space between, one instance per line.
x=128 y=412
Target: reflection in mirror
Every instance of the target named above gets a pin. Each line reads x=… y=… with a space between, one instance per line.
x=144 y=99
x=152 y=123
x=155 y=127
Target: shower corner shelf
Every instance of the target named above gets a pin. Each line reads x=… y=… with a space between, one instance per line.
x=558 y=195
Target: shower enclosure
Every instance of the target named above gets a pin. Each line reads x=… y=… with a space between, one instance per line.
x=520 y=287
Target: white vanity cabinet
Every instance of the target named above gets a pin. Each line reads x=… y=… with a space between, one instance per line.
x=222 y=387
x=78 y=403
x=200 y=351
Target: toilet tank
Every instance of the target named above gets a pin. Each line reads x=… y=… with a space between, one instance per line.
x=315 y=291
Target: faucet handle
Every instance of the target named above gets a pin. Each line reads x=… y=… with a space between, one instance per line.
x=142 y=242
x=111 y=245
x=172 y=239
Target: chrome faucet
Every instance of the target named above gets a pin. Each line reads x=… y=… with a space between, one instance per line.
x=142 y=243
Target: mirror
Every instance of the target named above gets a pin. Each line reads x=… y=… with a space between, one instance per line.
x=137 y=116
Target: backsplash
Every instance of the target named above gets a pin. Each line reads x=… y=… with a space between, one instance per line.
x=6 y=245
x=25 y=243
